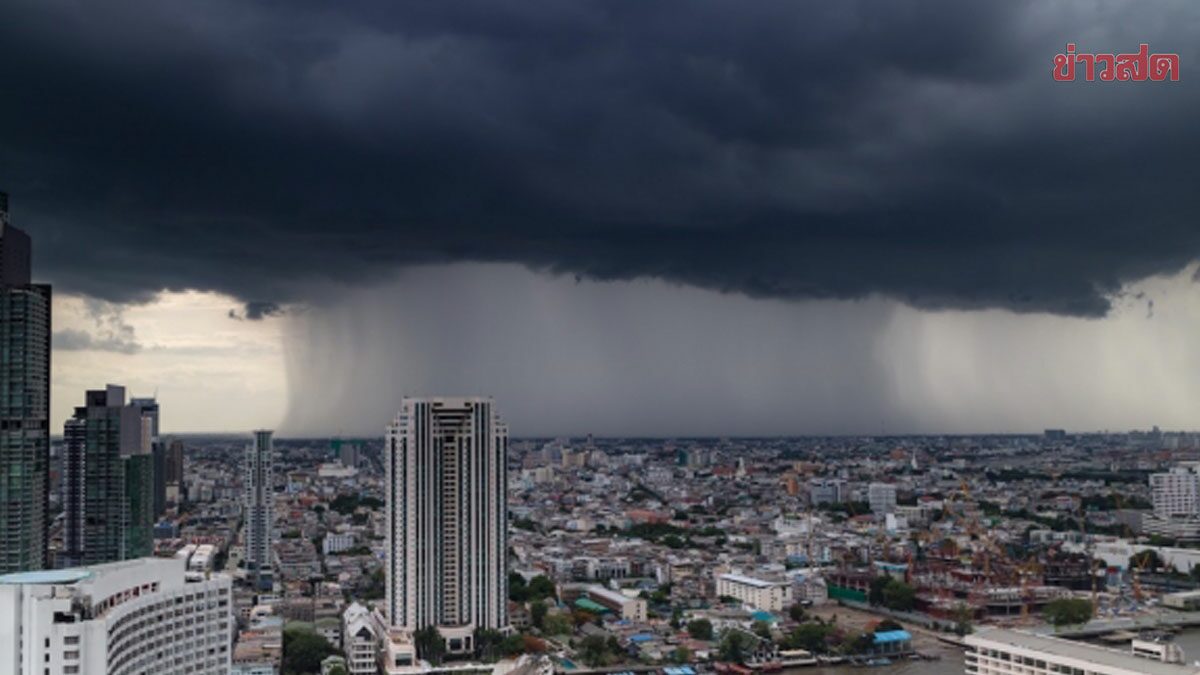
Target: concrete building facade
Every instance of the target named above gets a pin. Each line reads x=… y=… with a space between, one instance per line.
x=135 y=616
x=446 y=485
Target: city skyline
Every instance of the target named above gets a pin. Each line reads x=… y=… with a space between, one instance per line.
x=606 y=338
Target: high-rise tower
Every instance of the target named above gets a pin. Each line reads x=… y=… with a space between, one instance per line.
x=174 y=470
x=446 y=490
x=24 y=403
x=158 y=452
x=107 y=485
x=258 y=502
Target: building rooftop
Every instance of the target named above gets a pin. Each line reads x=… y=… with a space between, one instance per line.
x=46 y=577
x=892 y=636
x=749 y=581
x=1104 y=660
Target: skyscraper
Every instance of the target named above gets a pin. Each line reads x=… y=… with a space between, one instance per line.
x=446 y=489
x=174 y=471
x=158 y=451
x=107 y=481
x=259 y=504
x=24 y=403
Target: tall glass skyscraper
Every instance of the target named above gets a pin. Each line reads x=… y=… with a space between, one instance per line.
x=108 y=476
x=24 y=403
x=158 y=450
x=446 y=485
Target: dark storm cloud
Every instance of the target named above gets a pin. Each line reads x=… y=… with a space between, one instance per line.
x=918 y=150
x=255 y=310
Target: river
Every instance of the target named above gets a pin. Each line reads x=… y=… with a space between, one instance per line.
x=944 y=666
x=1189 y=640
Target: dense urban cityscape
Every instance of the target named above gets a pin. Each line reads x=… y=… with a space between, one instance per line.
x=446 y=547
x=592 y=337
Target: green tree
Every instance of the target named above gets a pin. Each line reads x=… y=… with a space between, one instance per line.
x=594 y=651
x=875 y=593
x=517 y=590
x=430 y=644
x=1068 y=611
x=1145 y=560
x=303 y=651
x=512 y=645
x=375 y=589
x=487 y=644
x=700 y=629
x=762 y=629
x=540 y=588
x=797 y=613
x=537 y=613
x=891 y=593
x=963 y=615
x=736 y=646
x=811 y=636
x=861 y=644
x=677 y=617
x=557 y=624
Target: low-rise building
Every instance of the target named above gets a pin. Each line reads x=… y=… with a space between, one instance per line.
x=360 y=640
x=773 y=596
x=629 y=608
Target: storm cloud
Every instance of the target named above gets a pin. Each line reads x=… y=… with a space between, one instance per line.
x=914 y=150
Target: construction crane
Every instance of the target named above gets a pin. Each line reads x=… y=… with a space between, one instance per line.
x=1137 y=572
x=1027 y=570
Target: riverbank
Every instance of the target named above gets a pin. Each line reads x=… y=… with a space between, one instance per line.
x=925 y=641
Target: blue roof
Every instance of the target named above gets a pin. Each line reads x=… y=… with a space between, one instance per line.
x=641 y=637
x=46 y=577
x=892 y=636
x=762 y=616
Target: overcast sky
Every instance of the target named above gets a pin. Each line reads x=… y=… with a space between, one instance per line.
x=617 y=217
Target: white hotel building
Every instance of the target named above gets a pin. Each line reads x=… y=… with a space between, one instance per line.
x=136 y=616
x=1008 y=652
x=446 y=484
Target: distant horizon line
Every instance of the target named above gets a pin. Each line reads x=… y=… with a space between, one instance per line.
x=551 y=437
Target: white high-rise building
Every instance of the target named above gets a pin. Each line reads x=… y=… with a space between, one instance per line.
x=134 y=616
x=258 y=503
x=882 y=498
x=447 y=527
x=1176 y=493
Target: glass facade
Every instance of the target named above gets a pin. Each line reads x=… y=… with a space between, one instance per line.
x=24 y=425
x=108 y=482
